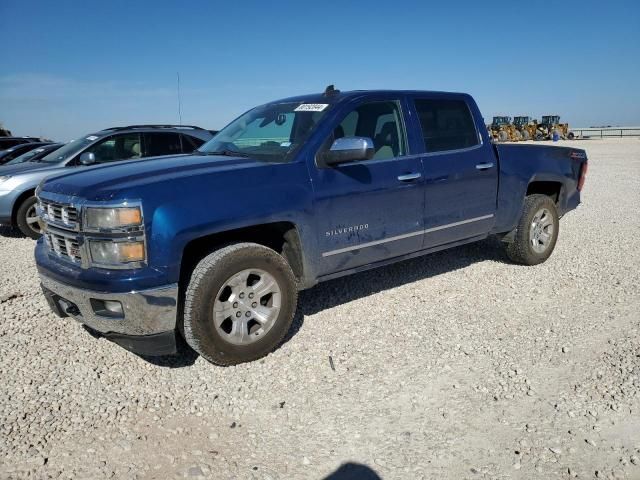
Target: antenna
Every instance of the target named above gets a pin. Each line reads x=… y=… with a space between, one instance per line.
x=179 y=101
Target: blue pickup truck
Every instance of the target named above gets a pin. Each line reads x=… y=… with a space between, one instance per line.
x=215 y=248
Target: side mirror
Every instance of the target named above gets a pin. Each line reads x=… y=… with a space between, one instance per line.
x=87 y=158
x=349 y=149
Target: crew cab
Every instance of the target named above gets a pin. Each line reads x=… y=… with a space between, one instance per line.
x=215 y=247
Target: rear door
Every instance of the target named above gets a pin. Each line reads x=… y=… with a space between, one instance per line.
x=371 y=210
x=461 y=173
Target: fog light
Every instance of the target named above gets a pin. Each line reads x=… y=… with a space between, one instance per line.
x=113 y=306
x=107 y=308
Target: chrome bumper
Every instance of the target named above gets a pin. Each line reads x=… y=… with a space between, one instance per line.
x=145 y=312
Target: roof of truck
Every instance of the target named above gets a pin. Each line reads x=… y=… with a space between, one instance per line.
x=339 y=96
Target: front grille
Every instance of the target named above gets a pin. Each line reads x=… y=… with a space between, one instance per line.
x=64 y=246
x=66 y=215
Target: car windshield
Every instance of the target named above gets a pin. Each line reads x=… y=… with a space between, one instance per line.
x=68 y=150
x=25 y=157
x=269 y=133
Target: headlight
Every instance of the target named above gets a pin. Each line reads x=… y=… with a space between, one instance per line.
x=115 y=253
x=112 y=218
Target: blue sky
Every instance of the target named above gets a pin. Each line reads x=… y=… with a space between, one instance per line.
x=71 y=67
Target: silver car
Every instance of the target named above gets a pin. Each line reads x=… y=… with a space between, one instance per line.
x=18 y=182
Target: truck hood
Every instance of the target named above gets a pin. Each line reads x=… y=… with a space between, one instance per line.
x=18 y=168
x=103 y=182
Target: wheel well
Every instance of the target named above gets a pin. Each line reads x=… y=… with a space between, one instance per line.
x=16 y=205
x=280 y=236
x=550 y=189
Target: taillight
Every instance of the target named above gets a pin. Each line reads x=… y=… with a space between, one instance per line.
x=583 y=175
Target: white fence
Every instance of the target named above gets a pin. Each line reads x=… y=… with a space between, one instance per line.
x=606 y=132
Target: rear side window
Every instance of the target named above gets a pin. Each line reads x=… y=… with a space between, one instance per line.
x=189 y=143
x=446 y=125
x=162 y=143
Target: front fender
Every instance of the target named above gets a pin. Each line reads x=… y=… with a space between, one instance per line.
x=213 y=204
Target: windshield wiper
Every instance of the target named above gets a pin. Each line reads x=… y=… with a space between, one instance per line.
x=226 y=153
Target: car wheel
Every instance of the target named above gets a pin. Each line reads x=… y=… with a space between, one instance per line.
x=571 y=136
x=27 y=219
x=537 y=231
x=239 y=304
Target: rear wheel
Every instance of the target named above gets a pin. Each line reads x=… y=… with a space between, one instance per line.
x=526 y=135
x=503 y=136
x=537 y=231
x=27 y=219
x=239 y=304
x=518 y=136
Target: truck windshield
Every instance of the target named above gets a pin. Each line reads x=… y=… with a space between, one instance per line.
x=67 y=151
x=269 y=133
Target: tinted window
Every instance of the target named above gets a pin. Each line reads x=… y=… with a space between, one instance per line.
x=379 y=121
x=446 y=125
x=189 y=143
x=162 y=143
x=118 y=147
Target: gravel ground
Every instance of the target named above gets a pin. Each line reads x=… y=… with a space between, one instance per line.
x=456 y=365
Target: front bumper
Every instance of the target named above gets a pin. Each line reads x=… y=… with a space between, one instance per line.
x=6 y=206
x=146 y=324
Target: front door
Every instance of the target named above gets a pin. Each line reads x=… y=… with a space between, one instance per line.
x=371 y=210
x=461 y=173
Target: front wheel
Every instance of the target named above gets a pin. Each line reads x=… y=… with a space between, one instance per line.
x=239 y=304
x=27 y=219
x=537 y=231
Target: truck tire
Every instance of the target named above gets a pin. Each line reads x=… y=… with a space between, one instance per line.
x=239 y=304
x=27 y=220
x=537 y=231
x=526 y=135
x=503 y=136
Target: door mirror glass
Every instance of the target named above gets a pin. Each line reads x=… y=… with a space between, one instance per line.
x=349 y=149
x=87 y=158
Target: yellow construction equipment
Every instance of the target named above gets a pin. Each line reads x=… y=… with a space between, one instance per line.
x=525 y=128
x=501 y=129
x=551 y=124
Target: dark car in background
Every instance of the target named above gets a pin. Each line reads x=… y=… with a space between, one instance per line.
x=8 y=142
x=35 y=154
x=18 y=182
x=13 y=152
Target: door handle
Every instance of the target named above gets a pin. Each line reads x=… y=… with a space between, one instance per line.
x=409 y=177
x=484 y=166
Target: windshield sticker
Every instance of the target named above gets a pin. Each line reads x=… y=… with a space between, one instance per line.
x=285 y=144
x=311 y=107
x=92 y=138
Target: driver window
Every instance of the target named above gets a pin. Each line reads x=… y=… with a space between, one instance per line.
x=379 y=121
x=120 y=147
